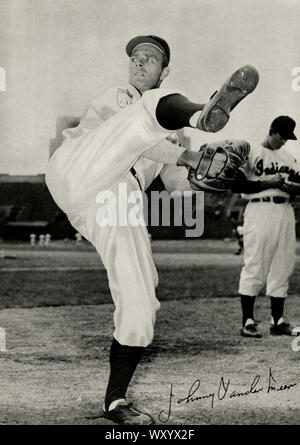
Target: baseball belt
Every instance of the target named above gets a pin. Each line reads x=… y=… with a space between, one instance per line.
x=275 y=199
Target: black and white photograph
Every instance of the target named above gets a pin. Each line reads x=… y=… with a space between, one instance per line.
x=149 y=215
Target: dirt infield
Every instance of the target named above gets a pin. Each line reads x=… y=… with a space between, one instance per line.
x=55 y=367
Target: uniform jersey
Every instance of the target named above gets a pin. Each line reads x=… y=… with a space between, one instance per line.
x=263 y=164
x=113 y=133
x=102 y=108
x=269 y=227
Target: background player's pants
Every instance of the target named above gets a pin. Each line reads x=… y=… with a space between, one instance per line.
x=127 y=257
x=269 y=242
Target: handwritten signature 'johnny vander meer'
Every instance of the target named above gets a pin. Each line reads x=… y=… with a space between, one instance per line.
x=223 y=391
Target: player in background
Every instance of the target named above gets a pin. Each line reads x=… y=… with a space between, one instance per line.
x=269 y=181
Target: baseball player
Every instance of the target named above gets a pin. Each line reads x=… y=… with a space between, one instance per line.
x=121 y=139
x=269 y=225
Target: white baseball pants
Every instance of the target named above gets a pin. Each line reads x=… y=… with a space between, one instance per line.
x=269 y=248
x=132 y=276
x=98 y=161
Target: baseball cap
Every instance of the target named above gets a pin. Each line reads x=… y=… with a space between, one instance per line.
x=285 y=126
x=156 y=41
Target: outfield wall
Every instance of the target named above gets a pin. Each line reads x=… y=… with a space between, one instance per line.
x=26 y=207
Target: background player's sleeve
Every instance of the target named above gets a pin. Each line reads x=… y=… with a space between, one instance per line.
x=292 y=181
x=243 y=185
x=248 y=167
x=294 y=164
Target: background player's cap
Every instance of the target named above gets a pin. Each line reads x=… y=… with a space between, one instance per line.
x=156 y=41
x=285 y=126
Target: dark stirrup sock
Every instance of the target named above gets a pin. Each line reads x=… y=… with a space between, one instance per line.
x=247 y=302
x=123 y=362
x=174 y=111
x=277 y=305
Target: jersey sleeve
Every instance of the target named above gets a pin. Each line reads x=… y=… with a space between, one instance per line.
x=294 y=175
x=249 y=165
x=166 y=152
x=151 y=98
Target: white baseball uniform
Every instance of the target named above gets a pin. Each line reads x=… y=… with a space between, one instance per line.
x=269 y=227
x=116 y=129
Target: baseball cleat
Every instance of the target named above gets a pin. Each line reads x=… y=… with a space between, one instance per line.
x=250 y=330
x=281 y=329
x=125 y=414
x=216 y=112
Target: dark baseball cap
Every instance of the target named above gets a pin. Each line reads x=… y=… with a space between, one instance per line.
x=285 y=126
x=156 y=41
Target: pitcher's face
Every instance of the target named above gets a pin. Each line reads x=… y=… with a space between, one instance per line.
x=145 y=68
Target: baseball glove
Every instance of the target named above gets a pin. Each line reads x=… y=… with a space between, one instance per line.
x=218 y=165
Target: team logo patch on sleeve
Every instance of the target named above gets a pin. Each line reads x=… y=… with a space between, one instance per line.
x=124 y=97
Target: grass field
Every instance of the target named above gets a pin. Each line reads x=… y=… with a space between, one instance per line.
x=57 y=313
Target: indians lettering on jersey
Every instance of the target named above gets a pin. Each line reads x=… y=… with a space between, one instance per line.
x=264 y=163
x=274 y=168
